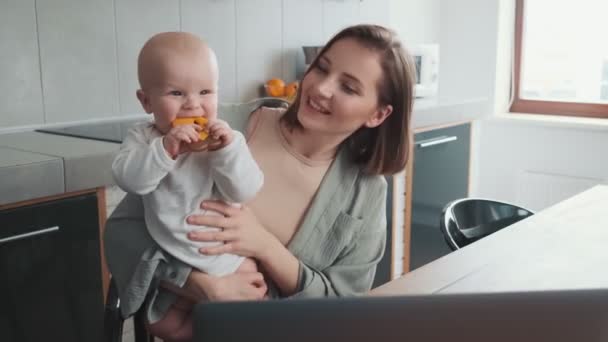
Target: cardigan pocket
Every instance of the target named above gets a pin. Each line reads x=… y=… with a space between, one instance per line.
x=337 y=238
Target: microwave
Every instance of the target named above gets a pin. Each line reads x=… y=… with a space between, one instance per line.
x=426 y=60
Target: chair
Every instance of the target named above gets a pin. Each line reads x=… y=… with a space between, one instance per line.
x=113 y=321
x=467 y=220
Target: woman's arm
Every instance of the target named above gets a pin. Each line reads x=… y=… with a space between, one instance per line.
x=136 y=262
x=351 y=273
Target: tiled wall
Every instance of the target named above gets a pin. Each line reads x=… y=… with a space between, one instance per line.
x=75 y=60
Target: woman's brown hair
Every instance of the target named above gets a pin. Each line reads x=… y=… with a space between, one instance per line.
x=383 y=149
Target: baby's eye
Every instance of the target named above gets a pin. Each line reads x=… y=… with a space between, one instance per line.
x=176 y=93
x=205 y=92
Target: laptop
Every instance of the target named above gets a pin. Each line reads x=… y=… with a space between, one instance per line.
x=578 y=315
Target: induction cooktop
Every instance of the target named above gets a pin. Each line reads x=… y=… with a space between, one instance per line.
x=111 y=131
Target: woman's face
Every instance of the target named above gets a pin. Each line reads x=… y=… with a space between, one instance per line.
x=340 y=94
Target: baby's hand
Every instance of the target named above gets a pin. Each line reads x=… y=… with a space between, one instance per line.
x=220 y=133
x=177 y=139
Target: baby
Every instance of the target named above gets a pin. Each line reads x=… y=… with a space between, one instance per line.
x=175 y=164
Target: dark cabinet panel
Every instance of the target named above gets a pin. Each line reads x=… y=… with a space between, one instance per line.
x=441 y=174
x=383 y=270
x=51 y=277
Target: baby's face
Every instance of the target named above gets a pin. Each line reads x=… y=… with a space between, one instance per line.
x=185 y=87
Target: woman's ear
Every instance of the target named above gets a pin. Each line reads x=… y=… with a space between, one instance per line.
x=144 y=100
x=379 y=116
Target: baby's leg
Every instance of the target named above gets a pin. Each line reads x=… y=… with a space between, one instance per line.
x=176 y=325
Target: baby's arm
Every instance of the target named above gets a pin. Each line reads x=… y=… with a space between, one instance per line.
x=141 y=164
x=235 y=172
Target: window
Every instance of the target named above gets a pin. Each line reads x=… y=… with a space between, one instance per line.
x=561 y=57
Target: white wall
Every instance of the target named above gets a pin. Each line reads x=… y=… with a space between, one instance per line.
x=75 y=60
x=416 y=21
x=536 y=164
x=468 y=43
x=533 y=161
x=466 y=31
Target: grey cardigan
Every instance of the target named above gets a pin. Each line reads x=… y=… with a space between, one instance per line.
x=339 y=243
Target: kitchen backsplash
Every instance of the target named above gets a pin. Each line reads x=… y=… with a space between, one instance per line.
x=75 y=60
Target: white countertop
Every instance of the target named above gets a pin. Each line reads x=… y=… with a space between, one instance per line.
x=560 y=248
x=51 y=164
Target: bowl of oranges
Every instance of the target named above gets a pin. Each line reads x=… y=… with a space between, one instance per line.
x=276 y=87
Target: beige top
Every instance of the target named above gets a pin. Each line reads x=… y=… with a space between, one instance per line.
x=287 y=173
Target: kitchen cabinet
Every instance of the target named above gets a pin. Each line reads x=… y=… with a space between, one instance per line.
x=439 y=174
x=50 y=261
x=384 y=268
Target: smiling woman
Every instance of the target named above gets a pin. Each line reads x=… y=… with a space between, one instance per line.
x=317 y=227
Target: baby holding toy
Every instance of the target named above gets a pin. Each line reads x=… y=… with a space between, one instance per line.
x=185 y=156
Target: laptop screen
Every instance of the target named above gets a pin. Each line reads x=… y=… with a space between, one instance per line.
x=580 y=315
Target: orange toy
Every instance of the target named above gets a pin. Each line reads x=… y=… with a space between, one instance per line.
x=275 y=87
x=199 y=120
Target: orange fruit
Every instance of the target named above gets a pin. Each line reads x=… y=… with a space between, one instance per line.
x=291 y=89
x=275 y=87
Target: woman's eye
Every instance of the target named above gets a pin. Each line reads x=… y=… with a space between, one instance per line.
x=175 y=93
x=322 y=68
x=348 y=89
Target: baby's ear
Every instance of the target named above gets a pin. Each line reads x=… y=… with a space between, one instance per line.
x=144 y=100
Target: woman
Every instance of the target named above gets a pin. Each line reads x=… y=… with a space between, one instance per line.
x=318 y=226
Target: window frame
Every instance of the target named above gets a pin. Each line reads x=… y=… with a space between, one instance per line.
x=519 y=105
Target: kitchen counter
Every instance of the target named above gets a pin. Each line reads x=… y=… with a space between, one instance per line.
x=34 y=164
x=427 y=113
x=25 y=175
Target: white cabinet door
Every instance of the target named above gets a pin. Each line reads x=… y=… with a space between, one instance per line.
x=302 y=26
x=136 y=22
x=338 y=14
x=20 y=91
x=78 y=58
x=259 y=40
x=215 y=22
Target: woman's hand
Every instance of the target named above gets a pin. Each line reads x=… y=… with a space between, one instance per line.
x=241 y=233
x=236 y=286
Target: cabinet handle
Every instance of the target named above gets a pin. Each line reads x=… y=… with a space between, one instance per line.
x=436 y=141
x=30 y=234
